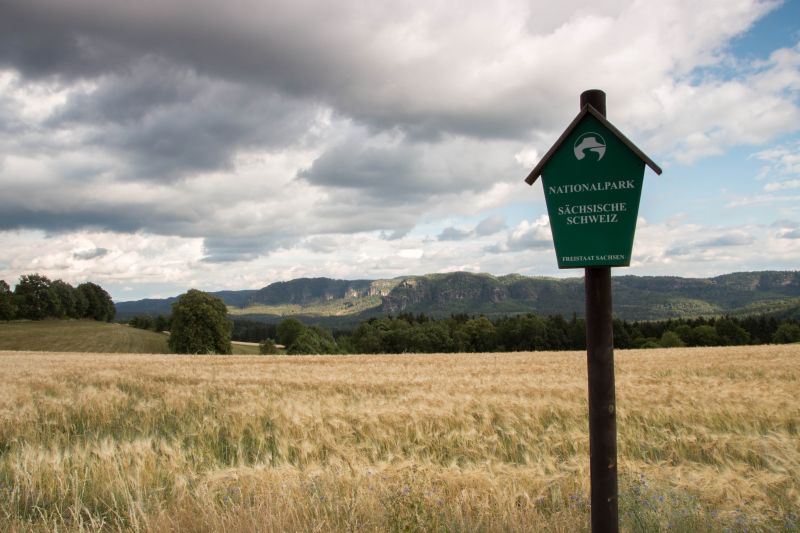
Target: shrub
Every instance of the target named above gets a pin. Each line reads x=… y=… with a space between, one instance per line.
x=670 y=339
x=268 y=347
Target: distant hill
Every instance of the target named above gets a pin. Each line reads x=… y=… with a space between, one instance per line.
x=345 y=302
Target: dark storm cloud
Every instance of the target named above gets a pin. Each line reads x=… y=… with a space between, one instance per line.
x=60 y=212
x=38 y=40
x=390 y=172
x=114 y=217
x=342 y=55
x=148 y=86
x=231 y=247
x=396 y=169
x=165 y=122
x=166 y=91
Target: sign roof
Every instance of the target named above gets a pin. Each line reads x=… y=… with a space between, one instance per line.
x=588 y=109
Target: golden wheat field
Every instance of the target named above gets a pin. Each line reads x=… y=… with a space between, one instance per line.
x=708 y=441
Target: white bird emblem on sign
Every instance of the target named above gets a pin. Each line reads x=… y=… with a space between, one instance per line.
x=591 y=141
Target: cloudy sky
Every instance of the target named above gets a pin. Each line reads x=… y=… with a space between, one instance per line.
x=157 y=145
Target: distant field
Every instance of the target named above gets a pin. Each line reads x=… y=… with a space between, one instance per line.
x=708 y=441
x=245 y=348
x=87 y=336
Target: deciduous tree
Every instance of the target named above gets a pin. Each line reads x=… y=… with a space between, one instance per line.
x=200 y=325
x=99 y=305
x=289 y=330
x=34 y=298
x=66 y=303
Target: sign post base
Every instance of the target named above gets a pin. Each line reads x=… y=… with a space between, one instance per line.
x=602 y=401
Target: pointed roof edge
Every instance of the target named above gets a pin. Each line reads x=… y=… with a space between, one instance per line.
x=588 y=109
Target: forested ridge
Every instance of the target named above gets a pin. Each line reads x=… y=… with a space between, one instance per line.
x=340 y=304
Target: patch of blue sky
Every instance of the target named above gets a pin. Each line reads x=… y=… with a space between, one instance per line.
x=780 y=28
x=702 y=191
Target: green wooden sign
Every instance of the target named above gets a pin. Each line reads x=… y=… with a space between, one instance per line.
x=592 y=180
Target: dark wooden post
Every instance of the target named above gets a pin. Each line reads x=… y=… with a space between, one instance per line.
x=602 y=397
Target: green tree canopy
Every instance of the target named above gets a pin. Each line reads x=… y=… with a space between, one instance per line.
x=299 y=339
x=289 y=330
x=787 y=333
x=731 y=333
x=670 y=339
x=200 y=324
x=161 y=323
x=66 y=302
x=8 y=311
x=313 y=340
x=34 y=298
x=141 y=322
x=704 y=335
x=99 y=305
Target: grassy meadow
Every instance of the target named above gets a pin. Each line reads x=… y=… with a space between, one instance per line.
x=89 y=336
x=79 y=336
x=708 y=441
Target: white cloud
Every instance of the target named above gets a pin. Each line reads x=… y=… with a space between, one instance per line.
x=271 y=140
x=694 y=250
x=763 y=199
x=526 y=236
x=698 y=120
x=782 y=185
x=102 y=257
x=782 y=166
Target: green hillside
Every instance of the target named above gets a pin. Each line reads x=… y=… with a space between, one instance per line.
x=334 y=307
x=79 y=336
x=87 y=336
x=635 y=297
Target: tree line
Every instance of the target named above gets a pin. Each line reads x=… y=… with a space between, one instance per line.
x=241 y=329
x=528 y=332
x=35 y=297
x=199 y=324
